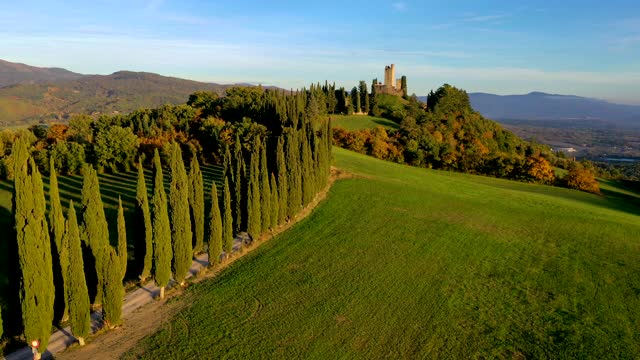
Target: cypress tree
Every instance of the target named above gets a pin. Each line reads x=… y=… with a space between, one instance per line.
x=355 y=100
x=239 y=189
x=215 y=228
x=113 y=288
x=403 y=85
x=364 y=97
x=161 y=230
x=283 y=182
x=122 y=238
x=34 y=247
x=196 y=204
x=56 y=224
x=94 y=230
x=373 y=103
x=181 y=234
x=254 y=218
x=293 y=175
x=275 y=202
x=227 y=219
x=77 y=293
x=306 y=171
x=113 y=272
x=144 y=217
x=226 y=162
x=265 y=190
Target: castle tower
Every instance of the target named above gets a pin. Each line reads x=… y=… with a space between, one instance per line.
x=392 y=75
x=398 y=84
x=387 y=76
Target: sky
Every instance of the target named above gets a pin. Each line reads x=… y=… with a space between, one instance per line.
x=587 y=48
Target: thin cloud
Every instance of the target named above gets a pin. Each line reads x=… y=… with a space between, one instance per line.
x=625 y=34
x=153 y=5
x=486 y=18
x=630 y=40
x=442 y=26
x=529 y=74
x=399 y=6
x=186 y=19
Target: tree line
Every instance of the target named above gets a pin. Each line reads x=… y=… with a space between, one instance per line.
x=446 y=133
x=273 y=164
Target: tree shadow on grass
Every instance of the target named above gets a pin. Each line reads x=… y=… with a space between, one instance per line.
x=622 y=201
x=387 y=123
x=615 y=199
x=9 y=279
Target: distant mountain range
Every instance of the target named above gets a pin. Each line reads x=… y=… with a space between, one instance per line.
x=15 y=73
x=30 y=94
x=550 y=107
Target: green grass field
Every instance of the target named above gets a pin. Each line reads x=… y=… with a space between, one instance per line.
x=361 y=122
x=403 y=262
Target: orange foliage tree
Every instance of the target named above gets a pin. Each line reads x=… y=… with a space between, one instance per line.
x=539 y=169
x=582 y=179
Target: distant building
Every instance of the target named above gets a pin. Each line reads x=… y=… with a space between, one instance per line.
x=391 y=85
x=565 y=149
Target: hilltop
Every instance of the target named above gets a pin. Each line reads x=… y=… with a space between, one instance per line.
x=120 y=92
x=17 y=73
x=540 y=106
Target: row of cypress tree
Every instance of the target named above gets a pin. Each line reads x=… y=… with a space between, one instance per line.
x=264 y=184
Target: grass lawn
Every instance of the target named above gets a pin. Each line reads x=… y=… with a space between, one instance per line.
x=361 y=122
x=402 y=262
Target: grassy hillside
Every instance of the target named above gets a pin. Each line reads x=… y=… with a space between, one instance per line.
x=360 y=122
x=392 y=107
x=407 y=262
x=122 y=92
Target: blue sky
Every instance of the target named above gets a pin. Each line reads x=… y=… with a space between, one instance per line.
x=589 y=48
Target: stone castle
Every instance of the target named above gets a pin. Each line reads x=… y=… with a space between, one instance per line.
x=391 y=85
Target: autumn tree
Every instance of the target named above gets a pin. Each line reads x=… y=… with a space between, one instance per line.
x=540 y=170
x=77 y=294
x=582 y=179
x=162 y=253
x=181 y=234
